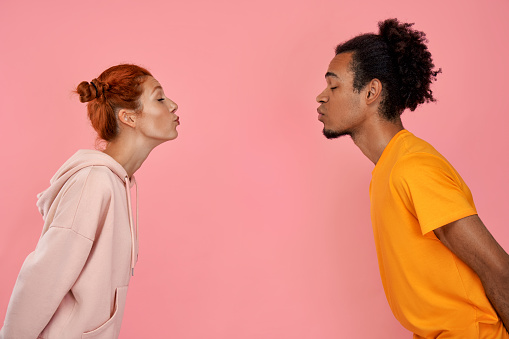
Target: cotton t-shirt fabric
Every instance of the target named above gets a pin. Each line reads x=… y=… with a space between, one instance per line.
x=414 y=190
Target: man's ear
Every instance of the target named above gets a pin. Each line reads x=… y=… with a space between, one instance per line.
x=373 y=91
x=127 y=117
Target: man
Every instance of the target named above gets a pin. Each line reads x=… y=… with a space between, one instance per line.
x=443 y=273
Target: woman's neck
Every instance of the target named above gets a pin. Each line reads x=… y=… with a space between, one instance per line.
x=128 y=152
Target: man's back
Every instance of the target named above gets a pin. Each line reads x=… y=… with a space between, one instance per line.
x=414 y=190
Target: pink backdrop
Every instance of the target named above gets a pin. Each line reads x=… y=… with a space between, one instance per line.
x=253 y=225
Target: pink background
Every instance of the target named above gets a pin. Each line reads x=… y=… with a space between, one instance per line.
x=253 y=225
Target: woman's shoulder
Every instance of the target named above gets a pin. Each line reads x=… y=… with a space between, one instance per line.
x=98 y=176
x=89 y=165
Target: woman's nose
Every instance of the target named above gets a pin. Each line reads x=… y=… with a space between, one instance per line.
x=173 y=106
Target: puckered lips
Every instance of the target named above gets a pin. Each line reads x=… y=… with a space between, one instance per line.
x=320 y=114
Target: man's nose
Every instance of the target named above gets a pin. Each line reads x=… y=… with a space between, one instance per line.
x=321 y=98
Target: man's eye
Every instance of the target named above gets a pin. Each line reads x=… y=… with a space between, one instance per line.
x=162 y=99
x=333 y=88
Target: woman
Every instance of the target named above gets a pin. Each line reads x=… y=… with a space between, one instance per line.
x=74 y=284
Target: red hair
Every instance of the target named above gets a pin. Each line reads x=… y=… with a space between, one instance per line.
x=116 y=88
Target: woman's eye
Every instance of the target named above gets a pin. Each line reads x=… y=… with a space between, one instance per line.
x=162 y=99
x=332 y=88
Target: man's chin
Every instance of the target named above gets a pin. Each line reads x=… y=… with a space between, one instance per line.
x=331 y=134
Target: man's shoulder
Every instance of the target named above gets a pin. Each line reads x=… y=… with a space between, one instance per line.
x=412 y=144
x=415 y=153
x=421 y=167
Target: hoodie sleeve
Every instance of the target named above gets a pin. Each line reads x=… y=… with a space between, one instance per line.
x=49 y=272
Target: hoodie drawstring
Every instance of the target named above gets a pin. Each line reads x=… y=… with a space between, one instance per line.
x=133 y=227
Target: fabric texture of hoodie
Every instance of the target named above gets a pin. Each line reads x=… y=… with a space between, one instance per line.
x=74 y=284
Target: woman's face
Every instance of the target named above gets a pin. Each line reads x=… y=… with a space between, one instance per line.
x=157 y=121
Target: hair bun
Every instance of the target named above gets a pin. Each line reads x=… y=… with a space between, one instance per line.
x=89 y=91
x=411 y=59
x=394 y=32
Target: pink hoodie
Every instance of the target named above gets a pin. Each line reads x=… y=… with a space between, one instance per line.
x=74 y=284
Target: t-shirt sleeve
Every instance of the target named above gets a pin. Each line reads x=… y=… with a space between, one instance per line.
x=431 y=190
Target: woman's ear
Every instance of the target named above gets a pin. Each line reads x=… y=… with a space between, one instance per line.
x=127 y=117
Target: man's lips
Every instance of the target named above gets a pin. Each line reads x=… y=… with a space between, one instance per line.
x=320 y=114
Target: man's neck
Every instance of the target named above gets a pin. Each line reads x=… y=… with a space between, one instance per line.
x=373 y=138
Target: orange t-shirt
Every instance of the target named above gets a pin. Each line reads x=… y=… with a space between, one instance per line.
x=413 y=191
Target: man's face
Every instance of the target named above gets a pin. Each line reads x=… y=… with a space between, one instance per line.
x=340 y=105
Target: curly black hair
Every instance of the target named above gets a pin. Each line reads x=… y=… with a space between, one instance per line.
x=399 y=58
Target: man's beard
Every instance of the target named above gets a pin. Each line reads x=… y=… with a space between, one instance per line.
x=331 y=134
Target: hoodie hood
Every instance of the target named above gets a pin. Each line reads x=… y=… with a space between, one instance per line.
x=79 y=161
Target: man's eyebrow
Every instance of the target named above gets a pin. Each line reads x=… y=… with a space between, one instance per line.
x=330 y=74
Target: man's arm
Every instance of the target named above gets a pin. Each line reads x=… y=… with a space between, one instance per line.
x=470 y=241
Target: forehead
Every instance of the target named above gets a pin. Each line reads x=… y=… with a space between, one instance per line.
x=150 y=84
x=340 y=66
